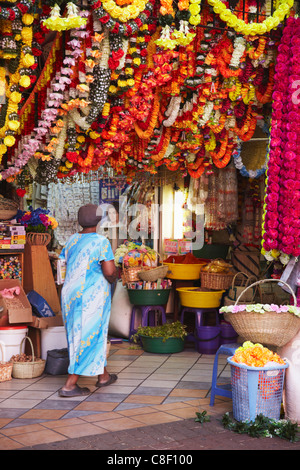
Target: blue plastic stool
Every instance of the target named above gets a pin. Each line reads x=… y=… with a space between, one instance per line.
x=228 y=349
x=146 y=319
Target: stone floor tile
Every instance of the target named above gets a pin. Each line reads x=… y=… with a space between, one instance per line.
x=14 y=403
x=41 y=437
x=156 y=418
x=9 y=444
x=138 y=411
x=147 y=399
x=116 y=388
x=84 y=429
x=147 y=390
x=54 y=424
x=5 y=421
x=44 y=414
x=119 y=424
x=29 y=428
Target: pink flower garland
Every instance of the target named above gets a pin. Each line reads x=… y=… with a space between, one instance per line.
x=282 y=202
x=54 y=100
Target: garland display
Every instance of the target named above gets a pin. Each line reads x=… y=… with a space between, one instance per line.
x=135 y=86
x=241 y=27
x=281 y=226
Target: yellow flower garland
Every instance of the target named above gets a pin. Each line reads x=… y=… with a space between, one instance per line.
x=13 y=95
x=246 y=29
x=125 y=14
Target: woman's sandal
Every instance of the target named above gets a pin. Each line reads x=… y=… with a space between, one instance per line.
x=76 y=392
x=111 y=380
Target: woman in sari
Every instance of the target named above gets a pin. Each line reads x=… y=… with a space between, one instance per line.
x=86 y=302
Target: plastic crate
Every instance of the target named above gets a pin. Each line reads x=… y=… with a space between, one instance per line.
x=256 y=390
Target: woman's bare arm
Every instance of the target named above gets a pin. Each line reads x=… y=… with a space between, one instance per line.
x=109 y=270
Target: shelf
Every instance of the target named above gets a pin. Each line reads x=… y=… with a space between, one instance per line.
x=11 y=252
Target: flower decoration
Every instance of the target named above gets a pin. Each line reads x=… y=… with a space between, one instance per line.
x=36 y=220
x=261 y=308
x=281 y=221
x=132 y=253
x=127 y=27
x=240 y=26
x=73 y=20
x=255 y=355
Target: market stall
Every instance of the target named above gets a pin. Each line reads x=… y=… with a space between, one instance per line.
x=181 y=121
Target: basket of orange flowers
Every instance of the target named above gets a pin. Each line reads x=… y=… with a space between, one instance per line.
x=257 y=378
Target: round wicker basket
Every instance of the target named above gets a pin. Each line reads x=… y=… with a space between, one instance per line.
x=28 y=370
x=5 y=368
x=268 y=328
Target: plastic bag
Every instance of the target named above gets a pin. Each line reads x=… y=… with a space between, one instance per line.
x=57 y=362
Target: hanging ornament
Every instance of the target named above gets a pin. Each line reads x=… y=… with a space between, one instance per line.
x=56 y=23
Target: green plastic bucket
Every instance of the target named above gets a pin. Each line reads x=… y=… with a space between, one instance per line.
x=148 y=297
x=157 y=345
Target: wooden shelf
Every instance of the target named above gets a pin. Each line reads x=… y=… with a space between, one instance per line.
x=9 y=252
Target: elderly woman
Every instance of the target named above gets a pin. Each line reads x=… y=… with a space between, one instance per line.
x=86 y=302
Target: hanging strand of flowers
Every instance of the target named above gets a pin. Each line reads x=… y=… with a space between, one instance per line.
x=281 y=227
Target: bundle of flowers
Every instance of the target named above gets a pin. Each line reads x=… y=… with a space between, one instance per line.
x=133 y=253
x=261 y=308
x=36 y=220
x=255 y=355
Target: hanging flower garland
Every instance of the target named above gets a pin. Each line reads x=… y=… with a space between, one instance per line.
x=33 y=141
x=240 y=26
x=73 y=20
x=281 y=222
x=127 y=27
x=19 y=80
x=16 y=11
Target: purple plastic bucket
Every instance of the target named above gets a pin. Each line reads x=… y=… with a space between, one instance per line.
x=228 y=333
x=208 y=339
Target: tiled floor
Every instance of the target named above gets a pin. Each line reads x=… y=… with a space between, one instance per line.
x=151 y=389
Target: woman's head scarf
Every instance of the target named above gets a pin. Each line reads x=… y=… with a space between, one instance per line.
x=89 y=216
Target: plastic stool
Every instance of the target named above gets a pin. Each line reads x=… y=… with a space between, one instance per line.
x=228 y=349
x=199 y=313
x=145 y=318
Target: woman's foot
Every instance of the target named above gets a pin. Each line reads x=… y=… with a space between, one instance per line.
x=74 y=392
x=106 y=379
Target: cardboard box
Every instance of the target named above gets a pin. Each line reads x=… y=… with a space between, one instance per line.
x=18 y=309
x=47 y=322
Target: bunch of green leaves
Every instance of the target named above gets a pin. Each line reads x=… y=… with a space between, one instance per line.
x=202 y=417
x=263 y=426
x=165 y=331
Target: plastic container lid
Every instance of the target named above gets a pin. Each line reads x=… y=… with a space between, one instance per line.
x=13 y=327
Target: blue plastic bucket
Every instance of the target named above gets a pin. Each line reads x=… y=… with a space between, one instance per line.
x=256 y=390
x=228 y=334
x=208 y=339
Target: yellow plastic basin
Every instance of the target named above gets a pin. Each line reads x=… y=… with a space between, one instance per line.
x=191 y=297
x=185 y=272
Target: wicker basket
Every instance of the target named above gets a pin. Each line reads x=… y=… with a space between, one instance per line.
x=5 y=368
x=8 y=208
x=268 y=328
x=35 y=238
x=131 y=274
x=153 y=274
x=28 y=370
x=216 y=281
x=235 y=290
